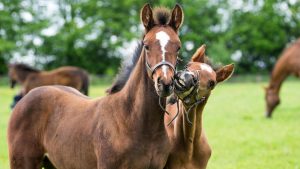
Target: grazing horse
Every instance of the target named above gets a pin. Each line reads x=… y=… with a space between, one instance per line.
x=122 y=130
x=31 y=78
x=193 y=87
x=287 y=64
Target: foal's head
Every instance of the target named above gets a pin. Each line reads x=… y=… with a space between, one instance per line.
x=18 y=72
x=272 y=100
x=199 y=78
x=161 y=45
x=12 y=74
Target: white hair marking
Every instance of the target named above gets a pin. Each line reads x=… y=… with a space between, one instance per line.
x=206 y=67
x=163 y=38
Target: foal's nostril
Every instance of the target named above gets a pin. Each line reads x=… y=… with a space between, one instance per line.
x=168 y=88
x=187 y=76
x=188 y=80
x=159 y=80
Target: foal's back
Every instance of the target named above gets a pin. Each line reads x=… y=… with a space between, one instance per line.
x=75 y=132
x=67 y=76
x=43 y=122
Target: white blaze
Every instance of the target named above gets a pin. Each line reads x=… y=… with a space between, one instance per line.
x=206 y=67
x=165 y=69
x=163 y=38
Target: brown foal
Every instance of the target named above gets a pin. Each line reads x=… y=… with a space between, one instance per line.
x=122 y=130
x=193 y=87
x=31 y=78
x=287 y=64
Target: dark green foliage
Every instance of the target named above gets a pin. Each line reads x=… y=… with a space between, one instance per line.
x=262 y=34
x=91 y=32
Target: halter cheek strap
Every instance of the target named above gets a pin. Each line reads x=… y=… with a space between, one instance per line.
x=151 y=70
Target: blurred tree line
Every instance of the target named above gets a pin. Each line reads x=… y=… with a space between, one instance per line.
x=96 y=34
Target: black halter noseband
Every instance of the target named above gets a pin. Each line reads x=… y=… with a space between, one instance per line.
x=151 y=70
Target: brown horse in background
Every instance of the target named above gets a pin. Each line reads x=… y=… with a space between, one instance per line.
x=193 y=87
x=122 y=130
x=31 y=78
x=287 y=64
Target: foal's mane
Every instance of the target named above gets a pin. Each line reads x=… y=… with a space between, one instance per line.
x=24 y=67
x=125 y=71
x=161 y=16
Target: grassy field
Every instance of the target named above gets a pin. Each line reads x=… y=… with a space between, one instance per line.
x=240 y=136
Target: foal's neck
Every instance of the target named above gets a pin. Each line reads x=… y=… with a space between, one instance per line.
x=142 y=101
x=279 y=74
x=188 y=133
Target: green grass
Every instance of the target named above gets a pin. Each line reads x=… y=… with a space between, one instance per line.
x=240 y=136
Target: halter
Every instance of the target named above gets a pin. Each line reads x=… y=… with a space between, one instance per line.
x=151 y=70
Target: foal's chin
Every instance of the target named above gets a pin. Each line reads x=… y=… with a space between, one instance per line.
x=182 y=93
x=163 y=90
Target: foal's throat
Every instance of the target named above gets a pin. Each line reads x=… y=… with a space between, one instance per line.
x=192 y=132
x=141 y=98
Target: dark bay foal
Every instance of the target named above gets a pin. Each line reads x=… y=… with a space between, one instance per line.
x=31 y=78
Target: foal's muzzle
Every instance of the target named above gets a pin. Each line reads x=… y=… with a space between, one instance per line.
x=164 y=88
x=163 y=79
x=184 y=81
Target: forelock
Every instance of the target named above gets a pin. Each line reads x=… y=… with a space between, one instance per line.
x=161 y=15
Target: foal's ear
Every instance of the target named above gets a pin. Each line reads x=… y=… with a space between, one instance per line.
x=176 y=18
x=147 y=17
x=224 y=73
x=199 y=55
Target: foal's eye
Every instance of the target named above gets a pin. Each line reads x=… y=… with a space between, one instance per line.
x=178 y=49
x=211 y=84
x=146 y=47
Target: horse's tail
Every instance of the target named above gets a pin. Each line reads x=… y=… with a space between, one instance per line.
x=85 y=83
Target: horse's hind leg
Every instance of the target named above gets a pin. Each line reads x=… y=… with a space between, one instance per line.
x=25 y=154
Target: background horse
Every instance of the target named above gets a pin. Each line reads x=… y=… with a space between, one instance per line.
x=193 y=87
x=31 y=78
x=287 y=64
x=121 y=130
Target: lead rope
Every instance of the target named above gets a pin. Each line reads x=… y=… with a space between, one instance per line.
x=177 y=102
x=193 y=105
x=165 y=111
